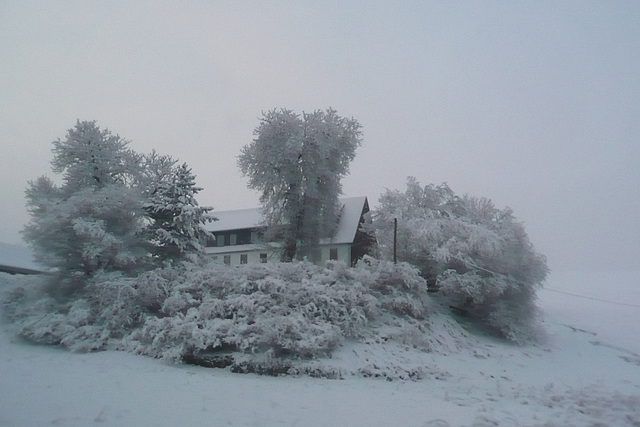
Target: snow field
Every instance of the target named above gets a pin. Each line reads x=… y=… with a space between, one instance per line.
x=582 y=375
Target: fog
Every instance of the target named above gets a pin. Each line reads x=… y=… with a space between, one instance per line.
x=532 y=104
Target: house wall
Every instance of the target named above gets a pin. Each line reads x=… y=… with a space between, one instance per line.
x=236 y=254
x=253 y=254
x=343 y=253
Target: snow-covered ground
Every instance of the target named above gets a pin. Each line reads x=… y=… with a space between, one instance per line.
x=587 y=373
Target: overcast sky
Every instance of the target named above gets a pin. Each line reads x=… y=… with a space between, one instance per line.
x=535 y=105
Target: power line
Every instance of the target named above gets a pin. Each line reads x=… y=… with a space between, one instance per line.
x=467 y=262
x=592 y=298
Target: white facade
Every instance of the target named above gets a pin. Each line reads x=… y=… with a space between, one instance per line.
x=256 y=253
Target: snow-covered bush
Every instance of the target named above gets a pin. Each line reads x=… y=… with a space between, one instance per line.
x=478 y=257
x=294 y=309
x=289 y=310
x=102 y=312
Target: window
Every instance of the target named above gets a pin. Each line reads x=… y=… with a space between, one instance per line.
x=222 y=239
x=263 y=258
x=227 y=260
x=244 y=237
x=255 y=237
x=233 y=239
x=243 y=258
x=333 y=254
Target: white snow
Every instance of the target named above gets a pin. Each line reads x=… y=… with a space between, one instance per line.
x=587 y=373
x=254 y=218
x=236 y=219
x=349 y=219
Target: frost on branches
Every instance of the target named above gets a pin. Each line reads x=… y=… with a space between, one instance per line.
x=177 y=228
x=297 y=163
x=92 y=221
x=478 y=257
x=114 y=211
x=289 y=312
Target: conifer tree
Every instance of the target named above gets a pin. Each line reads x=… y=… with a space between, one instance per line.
x=177 y=221
x=92 y=221
x=115 y=211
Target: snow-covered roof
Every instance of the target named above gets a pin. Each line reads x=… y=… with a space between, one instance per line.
x=349 y=219
x=254 y=218
x=236 y=220
x=17 y=259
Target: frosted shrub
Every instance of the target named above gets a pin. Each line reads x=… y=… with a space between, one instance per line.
x=104 y=310
x=478 y=257
x=289 y=311
x=398 y=287
x=295 y=309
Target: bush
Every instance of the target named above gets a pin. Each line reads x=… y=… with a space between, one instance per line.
x=478 y=257
x=288 y=310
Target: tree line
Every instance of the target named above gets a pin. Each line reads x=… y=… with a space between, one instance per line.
x=118 y=211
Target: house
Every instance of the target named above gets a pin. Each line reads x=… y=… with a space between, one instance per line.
x=18 y=260
x=239 y=236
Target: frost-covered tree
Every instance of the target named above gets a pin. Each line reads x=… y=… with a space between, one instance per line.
x=93 y=157
x=177 y=221
x=297 y=163
x=114 y=211
x=91 y=222
x=478 y=256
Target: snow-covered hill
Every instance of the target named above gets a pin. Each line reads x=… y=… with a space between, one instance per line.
x=587 y=373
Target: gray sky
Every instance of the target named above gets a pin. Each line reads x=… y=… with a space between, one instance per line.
x=535 y=105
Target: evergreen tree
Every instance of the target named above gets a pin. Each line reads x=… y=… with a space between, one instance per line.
x=92 y=221
x=177 y=221
x=115 y=210
x=93 y=157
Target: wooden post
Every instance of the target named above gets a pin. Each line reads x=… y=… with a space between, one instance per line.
x=395 y=239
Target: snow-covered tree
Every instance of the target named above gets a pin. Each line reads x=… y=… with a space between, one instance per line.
x=177 y=228
x=92 y=221
x=478 y=256
x=297 y=163
x=115 y=209
x=93 y=157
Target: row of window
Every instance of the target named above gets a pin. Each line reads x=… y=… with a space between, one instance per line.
x=239 y=237
x=245 y=237
x=244 y=258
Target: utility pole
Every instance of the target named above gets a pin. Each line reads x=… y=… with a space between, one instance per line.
x=395 y=239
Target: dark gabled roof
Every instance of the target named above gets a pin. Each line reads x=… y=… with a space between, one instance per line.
x=254 y=218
